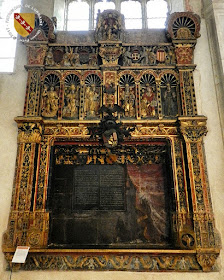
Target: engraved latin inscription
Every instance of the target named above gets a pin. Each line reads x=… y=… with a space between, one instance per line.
x=86 y=187
x=112 y=187
x=98 y=187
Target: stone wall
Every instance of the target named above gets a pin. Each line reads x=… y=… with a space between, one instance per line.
x=12 y=93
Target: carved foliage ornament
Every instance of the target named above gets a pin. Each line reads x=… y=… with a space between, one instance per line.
x=77 y=155
x=111 y=262
x=141 y=130
x=193 y=130
x=29 y=133
x=184 y=53
x=207 y=261
x=58 y=130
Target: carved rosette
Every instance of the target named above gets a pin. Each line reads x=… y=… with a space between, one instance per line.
x=38 y=231
x=193 y=130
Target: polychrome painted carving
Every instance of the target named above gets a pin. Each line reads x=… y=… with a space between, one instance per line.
x=110 y=148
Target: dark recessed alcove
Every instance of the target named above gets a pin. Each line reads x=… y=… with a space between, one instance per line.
x=110 y=199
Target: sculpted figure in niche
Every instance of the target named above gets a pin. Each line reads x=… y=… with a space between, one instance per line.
x=92 y=102
x=72 y=102
x=148 y=102
x=49 y=102
x=128 y=101
x=169 y=101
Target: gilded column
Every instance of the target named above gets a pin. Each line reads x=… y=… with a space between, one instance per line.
x=207 y=241
x=183 y=219
x=29 y=136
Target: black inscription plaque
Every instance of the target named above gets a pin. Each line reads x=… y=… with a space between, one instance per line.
x=99 y=187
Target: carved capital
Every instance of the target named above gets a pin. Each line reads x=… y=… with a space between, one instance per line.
x=207 y=260
x=193 y=130
x=29 y=132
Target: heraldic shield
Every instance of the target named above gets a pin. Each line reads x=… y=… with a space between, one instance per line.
x=24 y=23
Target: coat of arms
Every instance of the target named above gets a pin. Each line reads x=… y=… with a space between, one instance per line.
x=24 y=23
